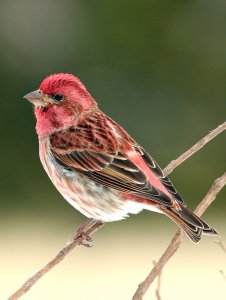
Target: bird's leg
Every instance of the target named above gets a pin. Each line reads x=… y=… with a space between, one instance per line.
x=82 y=232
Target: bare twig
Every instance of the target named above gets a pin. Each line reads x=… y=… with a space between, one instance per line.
x=171 y=249
x=218 y=184
x=96 y=225
x=157 y=290
x=216 y=187
x=222 y=273
x=56 y=260
x=201 y=143
x=222 y=246
x=220 y=243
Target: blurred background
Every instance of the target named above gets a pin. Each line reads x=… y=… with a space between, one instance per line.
x=159 y=69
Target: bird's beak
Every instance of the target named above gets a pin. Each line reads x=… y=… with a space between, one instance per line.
x=36 y=98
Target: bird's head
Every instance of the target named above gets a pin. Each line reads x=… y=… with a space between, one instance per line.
x=60 y=98
x=59 y=90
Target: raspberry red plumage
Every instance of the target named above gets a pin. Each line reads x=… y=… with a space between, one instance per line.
x=56 y=82
x=95 y=164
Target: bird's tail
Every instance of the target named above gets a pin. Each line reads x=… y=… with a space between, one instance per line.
x=192 y=225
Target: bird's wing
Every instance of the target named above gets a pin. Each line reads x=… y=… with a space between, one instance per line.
x=154 y=167
x=103 y=162
x=115 y=171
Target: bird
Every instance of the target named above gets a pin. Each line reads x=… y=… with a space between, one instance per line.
x=96 y=165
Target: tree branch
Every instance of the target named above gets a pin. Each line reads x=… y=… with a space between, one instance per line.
x=218 y=184
x=223 y=247
x=157 y=290
x=201 y=143
x=90 y=229
x=220 y=243
x=96 y=225
x=222 y=273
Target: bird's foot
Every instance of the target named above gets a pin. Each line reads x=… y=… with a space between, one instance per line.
x=81 y=232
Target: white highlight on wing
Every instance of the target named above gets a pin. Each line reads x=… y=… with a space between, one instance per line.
x=117 y=135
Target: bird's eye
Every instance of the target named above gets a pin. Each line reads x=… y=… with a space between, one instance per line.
x=58 y=97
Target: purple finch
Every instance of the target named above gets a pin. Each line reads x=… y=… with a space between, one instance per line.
x=96 y=165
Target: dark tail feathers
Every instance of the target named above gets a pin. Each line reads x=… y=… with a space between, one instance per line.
x=192 y=225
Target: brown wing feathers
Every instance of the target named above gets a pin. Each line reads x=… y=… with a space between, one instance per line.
x=158 y=172
x=94 y=151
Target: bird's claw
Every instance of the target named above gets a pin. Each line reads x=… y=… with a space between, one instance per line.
x=86 y=244
x=87 y=240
